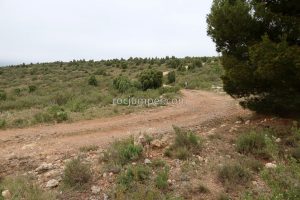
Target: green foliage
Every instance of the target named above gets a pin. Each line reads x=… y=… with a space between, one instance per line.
x=151 y=79
x=122 y=152
x=88 y=148
x=22 y=187
x=122 y=84
x=32 y=88
x=161 y=181
x=171 y=77
x=138 y=173
x=93 y=81
x=3 y=95
x=76 y=174
x=2 y=123
x=261 y=52
x=233 y=174
x=57 y=113
x=256 y=143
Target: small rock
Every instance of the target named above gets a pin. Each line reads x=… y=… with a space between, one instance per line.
x=114 y=170
x=232 y=129
x=238 y=122
x=95 y=189
x=254 y=183
x=104 y=175
x=223 y=125
x=52 y=183
x=105 y=196
x=247 y=122
x=201 y=159
x=169 y=181
x=278 y=140
x=147 y=161
x=6 y=194
x=270 y=165
x=44 y=167
x=184 y=178
x=156 y=143
x=111 y=174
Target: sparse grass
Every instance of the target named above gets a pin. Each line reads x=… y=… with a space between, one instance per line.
x=161 y=181
x=284 y=181
x=233 y=174
x=185 y=144
x=76 y=174
x=2 y=123
x=123 y=152
x=88 y=148
x=158 y=163
x=202 y=188
x=138 y=173
x=22 y=187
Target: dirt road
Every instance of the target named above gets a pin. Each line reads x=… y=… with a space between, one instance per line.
x=199 y=107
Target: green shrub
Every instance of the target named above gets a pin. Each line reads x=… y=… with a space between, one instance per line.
x=233 y=174
x=171 y=77
x=2 y=123
x=42 y=117
x=17 y=91
x=122 y=83
x=101 y=71
x=58 y=114
x=32 y=88
x=295 y=152
x=76 y=174
x=93 y=81
x=161 y=181
x=88 y=148
x=158 y=163
x=182 y=153
x=3 y=95
x=185 y=144
x=22 y=187
x=122 y=152
x=254 y=143
x=151 y=79
x=138 y=173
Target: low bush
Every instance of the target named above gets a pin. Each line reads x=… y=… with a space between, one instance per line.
x=185 y=144
x=233 y=174
x=42 y=117
x=93 y=81
x=3 y=95
x=88 y=148
x=138 y=173
x=256 y=143
x=58 y=114
x=122 y=152
x=32 y=88
x=22 y=187
x=161 y=181
x=2 y=123
x=151 y=79
x=171 y=77
x=76 y=174
x=122 y=83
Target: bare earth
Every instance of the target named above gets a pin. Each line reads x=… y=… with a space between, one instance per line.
x=199 y=107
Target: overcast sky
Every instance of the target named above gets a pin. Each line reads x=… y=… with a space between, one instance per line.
x=50 y=30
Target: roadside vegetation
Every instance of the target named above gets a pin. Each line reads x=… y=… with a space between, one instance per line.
x=70 y=91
